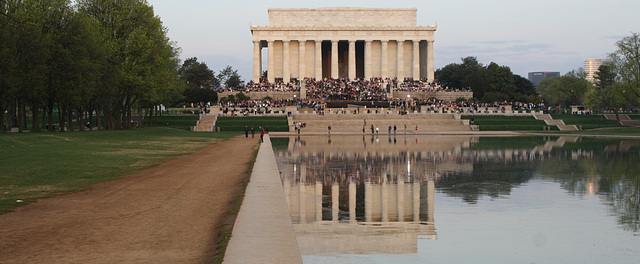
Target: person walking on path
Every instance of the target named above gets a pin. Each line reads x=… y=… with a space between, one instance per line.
x=405 y=129
x=329 y=128
x=416 y=129
x=261 y=133
x=246 y=131
x=253 y=132
x=372 y=128
x=394 y=129
x=389 y=129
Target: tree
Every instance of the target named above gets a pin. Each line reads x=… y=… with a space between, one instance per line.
x=565 y=90
x=626 y=61
x=608 y=94
x=200 y=82
x=454 y=75
x=197 y=74
x=489 y=83
x=230 y=78
x=140 y=57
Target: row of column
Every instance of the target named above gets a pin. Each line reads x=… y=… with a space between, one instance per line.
x=368 y=61
x=377 y=201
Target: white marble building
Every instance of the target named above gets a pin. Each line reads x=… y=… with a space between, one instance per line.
x=343 y=42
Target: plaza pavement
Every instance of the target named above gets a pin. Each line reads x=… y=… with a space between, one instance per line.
x=263 y=232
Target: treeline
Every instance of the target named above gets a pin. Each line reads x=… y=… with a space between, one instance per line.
x=108 y=57
x=615 y=88
x=492 y=83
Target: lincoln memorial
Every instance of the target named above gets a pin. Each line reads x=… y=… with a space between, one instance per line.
x=343 y=43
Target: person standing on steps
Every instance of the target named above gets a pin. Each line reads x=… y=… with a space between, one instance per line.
x=394 y=129
x=329 y=128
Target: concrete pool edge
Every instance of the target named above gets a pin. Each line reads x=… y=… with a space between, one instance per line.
x=263 y=231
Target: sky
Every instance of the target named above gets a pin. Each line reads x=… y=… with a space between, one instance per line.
x=525 y=35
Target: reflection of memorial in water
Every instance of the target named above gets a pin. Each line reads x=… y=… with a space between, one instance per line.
x=351 y=196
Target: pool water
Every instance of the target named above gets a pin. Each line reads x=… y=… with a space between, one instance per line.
x=462 y=199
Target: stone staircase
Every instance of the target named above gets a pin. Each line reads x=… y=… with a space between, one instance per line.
x=625 y=120
x=555 y=122
x=353 y=123
x=205 y=124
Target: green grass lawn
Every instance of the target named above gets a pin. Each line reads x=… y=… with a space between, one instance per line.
x=272 y=123
x=586 y=121
x=178 y=122
x=507 y=123
x=40 y=165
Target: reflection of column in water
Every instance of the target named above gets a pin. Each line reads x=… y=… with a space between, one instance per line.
x=291 y=199
x=335 y=202
x=302 y=193
x=318 y=195
x=385 y=199
x=400 y=198
x=368 y=201
x=430 y=199
x=416 y=201
x=352 y=201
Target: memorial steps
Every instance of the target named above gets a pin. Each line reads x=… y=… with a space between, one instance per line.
x=353 y=123
x=205 y=124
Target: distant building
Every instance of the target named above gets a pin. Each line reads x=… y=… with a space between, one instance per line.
x=536 y=77
x=591 y=67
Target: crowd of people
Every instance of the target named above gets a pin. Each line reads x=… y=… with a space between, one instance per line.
x=423 y=85
x=318 y=93
x=277 y=86
x=374 y=89
x=348 y=90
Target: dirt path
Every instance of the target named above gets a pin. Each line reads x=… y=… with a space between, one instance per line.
x=172 y=213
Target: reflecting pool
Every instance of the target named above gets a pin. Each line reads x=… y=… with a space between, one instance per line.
x=462 y=199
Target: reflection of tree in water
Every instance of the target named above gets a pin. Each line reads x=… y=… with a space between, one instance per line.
x=493 y=179
x=613 y=175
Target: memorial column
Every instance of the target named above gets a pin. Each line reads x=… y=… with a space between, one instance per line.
x=286 y=76
x=430 y=74
x=334 y=59
x=318 y=60
x=401 y=75
x=257 y=61
x=416 y=60
x=302 y=59
x=271 y=62
x=367 y=60
x=352 y=59
x=385 y=60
